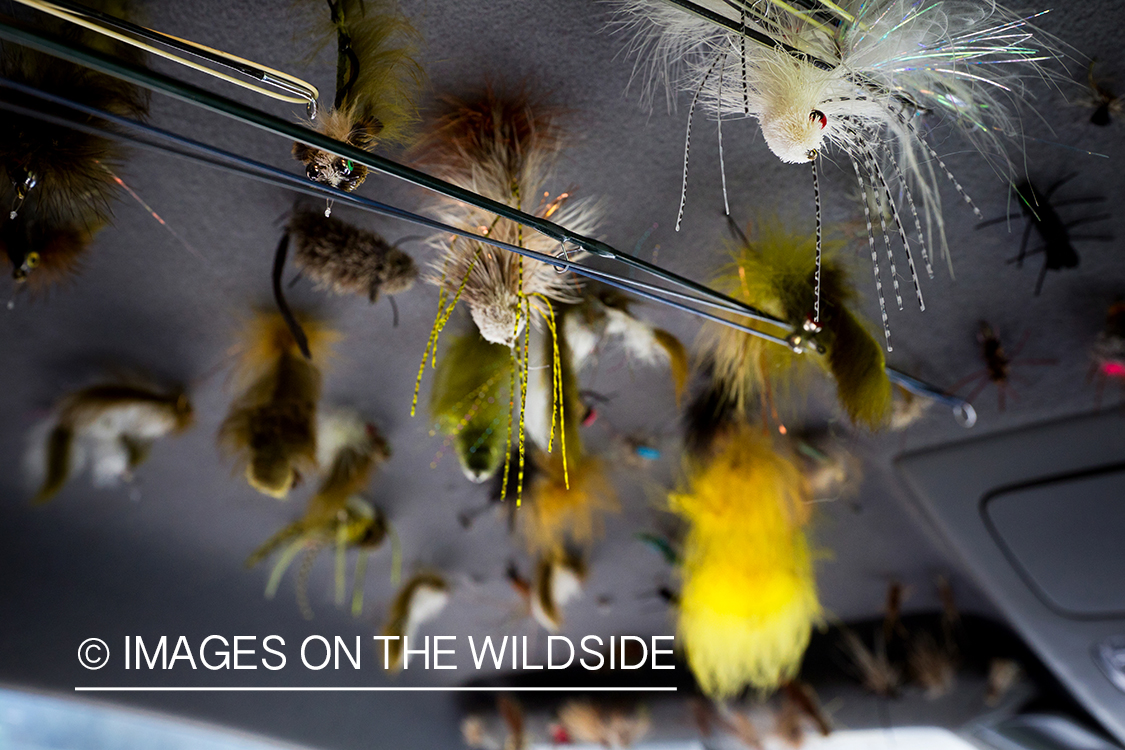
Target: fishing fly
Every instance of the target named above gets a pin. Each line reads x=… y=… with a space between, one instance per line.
x=862 y=78
x=503 y=148
x=342 y=258
x=1042 y=215
x=349 y=452
x=605 y=725
x=774 y=270
x=270 y=427
x=57 y=185
x=605 y=318
x=997 y=366
x=877 y=666
x=560 y=576
x=109 y=427
x=471 y=404
x=746 y=504
x=1102 y=98
x=418 y=601
x=1108 y=353
x=345 y=259
x=932 y=660
x=377 y=79
x=507 y=732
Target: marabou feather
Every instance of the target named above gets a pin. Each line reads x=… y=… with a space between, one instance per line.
x=108 y=426
x=862 y=77
x=554 y=516
x=748 y=601
x=775 y=272
x=270 y=427
x=1108 y=352
x=347 y=259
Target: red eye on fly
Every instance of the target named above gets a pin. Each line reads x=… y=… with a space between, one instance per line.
x=818 y=115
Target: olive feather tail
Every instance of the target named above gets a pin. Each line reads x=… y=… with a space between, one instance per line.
x=857 y=365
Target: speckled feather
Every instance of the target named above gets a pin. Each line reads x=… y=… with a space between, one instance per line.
x=503 y=148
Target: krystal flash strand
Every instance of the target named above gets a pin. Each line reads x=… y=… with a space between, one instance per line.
x=861 y=77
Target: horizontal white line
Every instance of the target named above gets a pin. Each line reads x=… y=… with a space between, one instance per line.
x=455 y=689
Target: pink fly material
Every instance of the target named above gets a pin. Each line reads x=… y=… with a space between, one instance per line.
x=1113 y=370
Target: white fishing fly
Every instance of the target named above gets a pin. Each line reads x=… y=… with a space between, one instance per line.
x=862 y=77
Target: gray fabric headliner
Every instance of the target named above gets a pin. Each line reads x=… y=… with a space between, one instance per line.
x=95 y=563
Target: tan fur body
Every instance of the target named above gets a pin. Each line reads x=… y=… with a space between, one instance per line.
x=346 y=259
